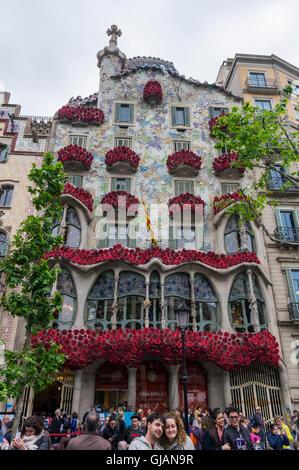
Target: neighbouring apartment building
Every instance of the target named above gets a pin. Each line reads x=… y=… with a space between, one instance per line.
x=141 y=148
x=260 y=80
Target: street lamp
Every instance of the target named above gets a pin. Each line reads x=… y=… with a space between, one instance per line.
x=182 y=313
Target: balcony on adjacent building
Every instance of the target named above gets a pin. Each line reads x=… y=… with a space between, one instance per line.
x=281 y=185
x=294 y=311
x=287 y=234
x=261 y=85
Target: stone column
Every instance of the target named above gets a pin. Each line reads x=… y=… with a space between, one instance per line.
x=173 y=387
x=193 y=304
x=244 y=238
x=284 y=383
x=88 y=384
x=163 y=321
x=253 y=303
x=115 y=301
x=147 y=305
x=226 y=388
x=132 y=387
x=77 y=391
x=63 y=225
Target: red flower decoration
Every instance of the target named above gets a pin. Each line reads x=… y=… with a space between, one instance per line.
x=140 y=257
x=77 y=153
x=184 y=201
x=80 y=113
x=221 y=202
x=122 y=153
x=185 y=157
x=119 y=199
x=79 y=193
x=152 y=89
x=214 y=121
x=128 y=347
x=225 y=161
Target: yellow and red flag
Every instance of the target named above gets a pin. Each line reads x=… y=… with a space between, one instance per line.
x=149 y=226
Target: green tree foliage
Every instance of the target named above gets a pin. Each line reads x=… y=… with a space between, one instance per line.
x=29 y=279
x=265 y=142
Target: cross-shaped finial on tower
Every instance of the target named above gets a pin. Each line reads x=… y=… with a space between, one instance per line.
x=113 y=31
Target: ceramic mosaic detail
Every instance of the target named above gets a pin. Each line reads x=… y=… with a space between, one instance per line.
x=153 y=141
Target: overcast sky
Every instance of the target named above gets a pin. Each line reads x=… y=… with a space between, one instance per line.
x=48 y=47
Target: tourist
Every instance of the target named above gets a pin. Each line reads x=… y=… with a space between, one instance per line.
x=134 y=430
x=236 y=435
x=104 y=425
x=9 y=431
x=174 y=435
x=277 y=438
x=197 y=432
x=155 y=424
x=294 y=423
x=122 y=445
x=56 y=427
x=5 y=420
x=121 y=425
x=90 y=438
x=256 y=440
x=278 y=420
x=32 y=436
x=111 y=433
x=143 y=425
x=256 y=426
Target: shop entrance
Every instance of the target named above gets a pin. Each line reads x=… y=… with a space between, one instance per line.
x=196 y=386
x=111 y=386
x=152 y=387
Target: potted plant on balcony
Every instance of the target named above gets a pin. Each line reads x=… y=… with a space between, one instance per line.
x=78 y=115
x=184 y=163
x=122 y=159
x=225 y=163
x=120 y=200
x=152 y=92
x=74 y=157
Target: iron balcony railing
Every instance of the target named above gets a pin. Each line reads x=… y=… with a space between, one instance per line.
x=294 y=310
x=287 y=234
x=277 y=183
x=261 y=82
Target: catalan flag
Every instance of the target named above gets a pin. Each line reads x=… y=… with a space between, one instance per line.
x=148 y=224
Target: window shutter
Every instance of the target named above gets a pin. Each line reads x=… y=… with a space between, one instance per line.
x=4 y=153
x=103 y=243
x=187 y=117
x=291 y=285
x=188 y=187
x=128 y=185
x=278 y=218
x=130 y=239
x=173 y=115
x=117 y=112
x=211 y=112
x=296 y=218
x=113 y=184
x=173 y=243
x=199 y=237
x=131 y=113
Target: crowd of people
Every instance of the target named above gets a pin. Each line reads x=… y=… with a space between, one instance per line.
x=207 y=430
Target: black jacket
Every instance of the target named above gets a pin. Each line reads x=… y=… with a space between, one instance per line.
x=231 y=434
x=108 y=433
x=131 y=431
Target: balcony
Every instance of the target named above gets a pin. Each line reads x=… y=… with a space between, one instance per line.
x=294 y=311
x=263 y=85
x=287 y=234
x=276 y=184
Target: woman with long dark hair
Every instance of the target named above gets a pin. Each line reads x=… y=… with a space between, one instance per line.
x=213 y=431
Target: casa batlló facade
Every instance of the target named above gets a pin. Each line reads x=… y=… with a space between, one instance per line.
x=141 y=149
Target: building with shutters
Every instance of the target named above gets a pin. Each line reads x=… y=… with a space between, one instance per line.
x=260 y=80
x=141 y=148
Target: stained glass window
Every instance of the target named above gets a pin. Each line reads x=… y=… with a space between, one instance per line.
x=131 y=283
x=66 y=287
x=207 y=307
x=177 y=285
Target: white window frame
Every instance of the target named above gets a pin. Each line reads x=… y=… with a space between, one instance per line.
x=180 y=105
x=178 y=142
x=228 y=183
x=124 y=124
x=78 y=136
x=260 y=72
x=129 y=139
x=263 y=99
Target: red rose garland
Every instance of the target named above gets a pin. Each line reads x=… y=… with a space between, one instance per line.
x=214 y=121
x=80 y=113
x=225 y=161
x=75 y=152
x=181 y=202
x=128 y=347
x=119 y=199
x=152 y=88
x=122 y=153
x=220 y=202
x=140 y=257
x=183 y=156
x=79 y=193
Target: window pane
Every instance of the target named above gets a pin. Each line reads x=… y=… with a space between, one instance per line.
x=232 y=243
x=263 y=104
x=295 y=279
x=258 y=79
x=67 y=311
x=73 y=236
x=209 y=311
x=236 y=312
x=124 y=113
x=180 y=117
x=6 y=196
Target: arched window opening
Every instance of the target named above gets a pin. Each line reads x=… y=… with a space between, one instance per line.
x=72 y=235
x=241 y=316
x=131 y=300
x=99 y=301
x=176 y=289
x=233 y=237
x=66 y=288
x=6 y=195
x=207 y=306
